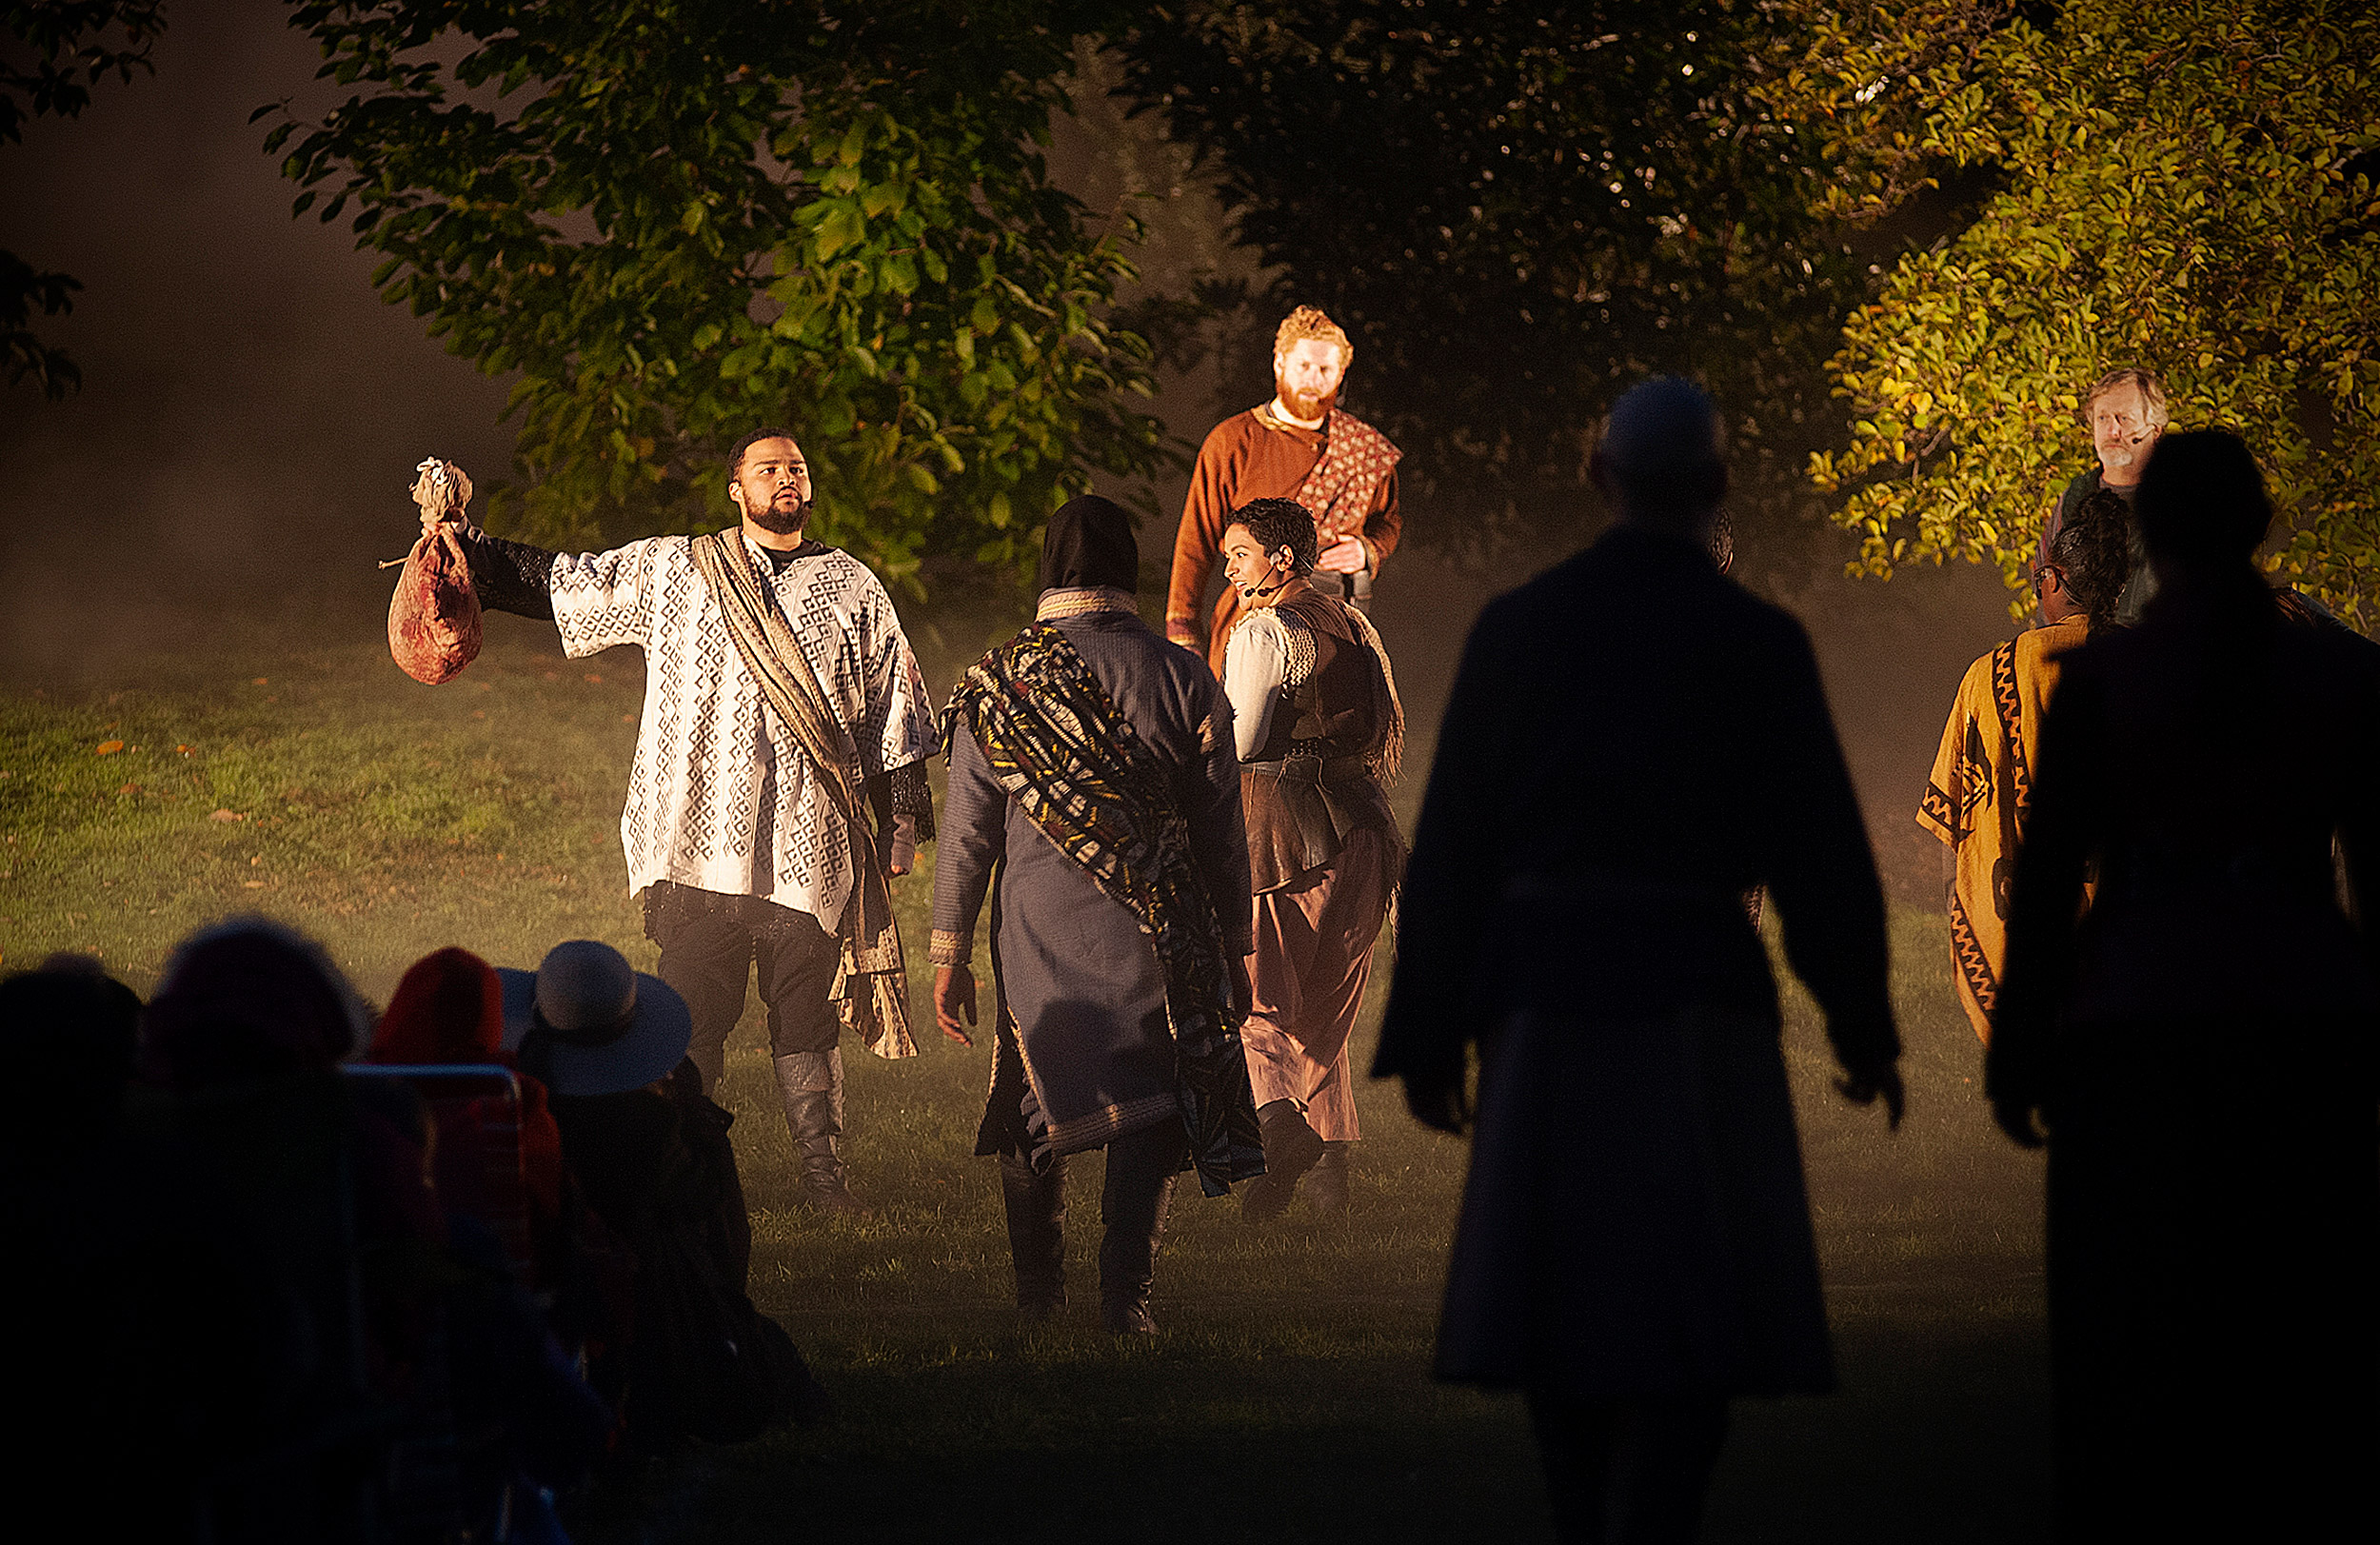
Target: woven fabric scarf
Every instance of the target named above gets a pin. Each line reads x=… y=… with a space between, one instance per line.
x=871 y=990
x=1058 y=744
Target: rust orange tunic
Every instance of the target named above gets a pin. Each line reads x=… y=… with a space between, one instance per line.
x=1254 y=455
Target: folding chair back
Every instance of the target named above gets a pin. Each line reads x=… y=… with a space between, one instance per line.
x=478 y=1167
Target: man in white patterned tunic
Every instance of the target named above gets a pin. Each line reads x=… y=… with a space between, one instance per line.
x=739 y=847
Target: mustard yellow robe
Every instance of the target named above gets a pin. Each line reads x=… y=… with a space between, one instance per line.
x=1979 y=793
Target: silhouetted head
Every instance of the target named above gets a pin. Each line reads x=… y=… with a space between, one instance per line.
x=67 y=1034
x=1090 y=544
x=1661 y=462
x=2086 y=560
x=2202 y=505
x=449 y=1008
x=243 y=999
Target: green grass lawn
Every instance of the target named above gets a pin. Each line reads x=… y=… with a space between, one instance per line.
x=1288 y=1399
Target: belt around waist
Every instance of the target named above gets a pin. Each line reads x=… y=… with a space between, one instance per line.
x=1313 y=769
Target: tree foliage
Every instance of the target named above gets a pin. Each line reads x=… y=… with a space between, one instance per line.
x=678 y=220
x=2186 y=184
x=59 y=51
x=1517 y=210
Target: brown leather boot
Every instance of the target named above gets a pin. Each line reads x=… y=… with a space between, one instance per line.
x=1326 y=1183
x=1291 y=1148
x=1132 y=1201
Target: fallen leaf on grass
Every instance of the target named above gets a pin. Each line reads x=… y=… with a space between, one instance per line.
x=130 y=788
x=251 y=884
x=226 y=815
x=592 y=677
x=259 y=682
x=183 y=750
x=107 y=748
x=478 y=713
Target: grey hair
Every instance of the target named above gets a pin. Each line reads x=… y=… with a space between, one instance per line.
x=2151 y=392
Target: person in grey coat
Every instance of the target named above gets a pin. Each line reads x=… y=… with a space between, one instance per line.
x=1095 y=795
x=1633 y=742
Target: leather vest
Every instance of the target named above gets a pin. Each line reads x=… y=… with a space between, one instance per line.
x=1308 y=787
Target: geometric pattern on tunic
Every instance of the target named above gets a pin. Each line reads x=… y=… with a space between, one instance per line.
x=2004 y=699
x=1979 y=798
x=1355 y=460
x=721 y=796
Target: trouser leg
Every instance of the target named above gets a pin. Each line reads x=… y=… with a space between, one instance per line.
x=1140 y=1183
x=1628 y=1473
x=707 y=959
x=1037 y=1232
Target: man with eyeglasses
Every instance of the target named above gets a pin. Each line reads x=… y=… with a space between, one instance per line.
x=2125 y=411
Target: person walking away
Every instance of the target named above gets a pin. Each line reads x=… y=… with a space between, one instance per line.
x=2200 y=1045
x=1094 y=797
x=1980 y=791
x=1319 y=732
x=1635 y=1245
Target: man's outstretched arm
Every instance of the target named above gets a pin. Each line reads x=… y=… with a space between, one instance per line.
x=510 y=575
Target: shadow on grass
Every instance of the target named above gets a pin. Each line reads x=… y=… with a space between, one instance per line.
x=1289 y=1399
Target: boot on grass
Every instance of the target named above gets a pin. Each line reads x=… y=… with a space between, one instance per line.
x=1326 y=1183
x=811 y=1084
x=1036 y=1234
x=1291 y=1148
x=1133 y=1200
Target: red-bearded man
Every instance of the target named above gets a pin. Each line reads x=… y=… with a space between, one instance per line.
x=1300 y=445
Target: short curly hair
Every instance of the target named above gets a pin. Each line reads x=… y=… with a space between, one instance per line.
x=735 y=453
x=1309 y=322
x=2093 y=548
x=1282 y=522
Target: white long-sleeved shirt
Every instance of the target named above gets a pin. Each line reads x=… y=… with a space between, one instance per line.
x=721 y=796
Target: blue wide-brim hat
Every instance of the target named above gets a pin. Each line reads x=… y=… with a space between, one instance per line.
x=609 y=1028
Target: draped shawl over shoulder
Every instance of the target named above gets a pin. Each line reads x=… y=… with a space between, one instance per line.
x=1056 y=742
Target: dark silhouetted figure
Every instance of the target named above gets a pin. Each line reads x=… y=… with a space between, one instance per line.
x=2201 y=1045
x=650 y=1152
x=1633 y=742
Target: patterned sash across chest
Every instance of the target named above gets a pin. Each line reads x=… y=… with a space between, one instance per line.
x=1057 y=744
x=1355 y=460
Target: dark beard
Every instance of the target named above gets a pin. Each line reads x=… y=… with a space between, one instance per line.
x=1309 y=405
x=782 y=525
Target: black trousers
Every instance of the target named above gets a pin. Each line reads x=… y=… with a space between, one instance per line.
x=1628 y=1471
x=709 y=944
